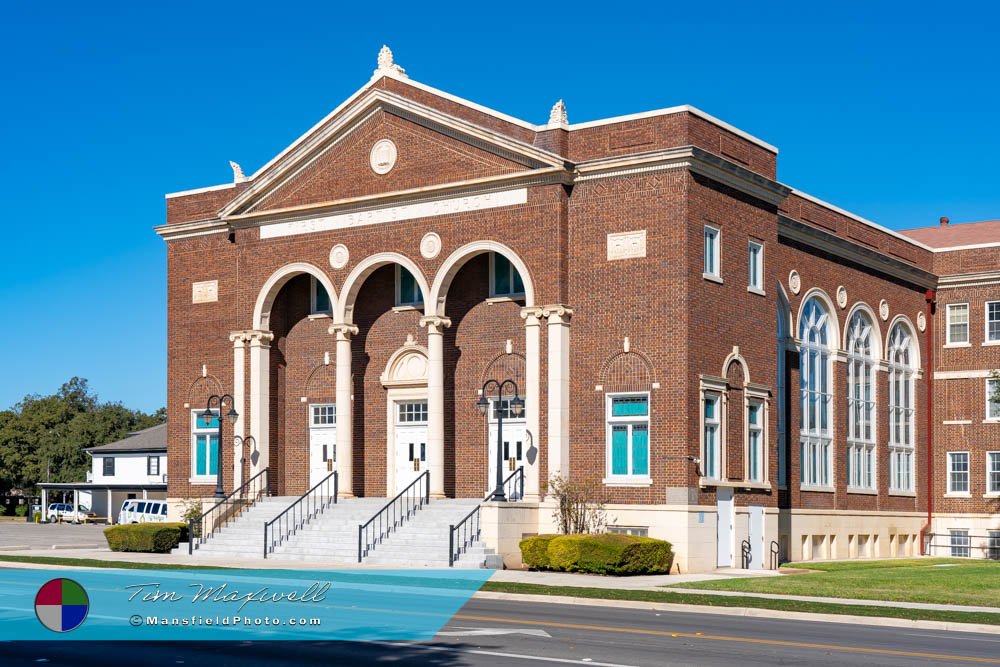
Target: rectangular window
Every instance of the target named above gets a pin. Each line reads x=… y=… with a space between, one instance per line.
x=755 y=267
x=205 y=445
x=712 y=437
x=958 y=323
x=407 y=290
x=712 y=257
x=992 y=394
x=958 y=472
x=993 y=472
x=755 y=441
x=993 y=545
x=153 y=465
x=637 y=531
x=320 y=301
x=323 y=414
x=628 y=437
x=109 y=466
x=504 y=278
x=959 y=543
x=411 y=412
x=993 y=321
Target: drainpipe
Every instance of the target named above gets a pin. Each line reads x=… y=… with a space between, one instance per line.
x=930 y=297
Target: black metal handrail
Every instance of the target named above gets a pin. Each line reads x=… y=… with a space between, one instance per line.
x=394 y=514
x=226 y=510
x=309 y=505
x=775 y=555
x=745 y=554
x=461 y=535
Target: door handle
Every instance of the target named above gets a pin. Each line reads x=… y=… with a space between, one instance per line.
x=512 y=463
x=416 y=465
x=329 y=465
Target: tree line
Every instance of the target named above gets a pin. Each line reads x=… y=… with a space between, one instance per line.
x=43 y=438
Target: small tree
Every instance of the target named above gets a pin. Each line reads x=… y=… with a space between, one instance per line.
x=995 y=395
x=579 y=505
x=192 y=510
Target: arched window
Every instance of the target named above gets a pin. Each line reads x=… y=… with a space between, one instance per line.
x=901 y=413
x=860 y=403
x=814 y=387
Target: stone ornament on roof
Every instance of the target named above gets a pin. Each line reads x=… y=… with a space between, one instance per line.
x=558 y=116
x=238 y=176
x=387 y=65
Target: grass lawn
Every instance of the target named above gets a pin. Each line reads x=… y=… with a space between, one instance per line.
x=937 y=580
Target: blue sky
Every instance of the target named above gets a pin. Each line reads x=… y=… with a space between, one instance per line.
x=884 y=109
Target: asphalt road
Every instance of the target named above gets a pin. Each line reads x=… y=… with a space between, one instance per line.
x=494 y=632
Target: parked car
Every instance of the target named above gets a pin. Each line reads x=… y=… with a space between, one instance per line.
x=64 y=512
x=143 y=511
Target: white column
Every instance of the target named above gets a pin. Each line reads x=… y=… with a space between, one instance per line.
x=435 y=400
x=76 y=503
x=111 y=510
x=45 y=504
x=144 y=497
x=558 y=377
x=532 y=396
x=345 y=410
x=260 y=390
x=239 y=403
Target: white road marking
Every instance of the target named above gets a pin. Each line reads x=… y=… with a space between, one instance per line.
x=964 y=639
x=486 y=632
x=498 y=654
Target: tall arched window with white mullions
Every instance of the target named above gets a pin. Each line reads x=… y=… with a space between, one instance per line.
x=860 y=403
x=901 y=413
x=816 y=435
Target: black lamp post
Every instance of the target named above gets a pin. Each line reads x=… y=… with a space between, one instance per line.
x=232 y=416
x=240 y=441
x=516 y=407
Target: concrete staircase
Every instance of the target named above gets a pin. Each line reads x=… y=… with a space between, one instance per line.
x=422 y=542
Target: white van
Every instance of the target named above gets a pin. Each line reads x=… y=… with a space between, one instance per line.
x=143 y=511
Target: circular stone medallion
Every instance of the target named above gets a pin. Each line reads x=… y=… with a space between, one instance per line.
x=921 y=321
x=430 y=245
x=383 y=156
x=842 y=297
x=339 y=256
x=883 y=309
x=794 y=282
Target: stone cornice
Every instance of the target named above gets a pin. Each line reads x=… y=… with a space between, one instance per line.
x=816 y=238
x=696 y=160
x=979 y=279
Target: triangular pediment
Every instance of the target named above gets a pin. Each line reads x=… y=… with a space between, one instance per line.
x=338 y=160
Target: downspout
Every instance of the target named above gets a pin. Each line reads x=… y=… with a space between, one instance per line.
x=930 y=297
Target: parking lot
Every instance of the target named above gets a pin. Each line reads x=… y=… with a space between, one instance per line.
x=20 y=534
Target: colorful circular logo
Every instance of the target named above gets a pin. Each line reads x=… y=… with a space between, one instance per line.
x=61 y=605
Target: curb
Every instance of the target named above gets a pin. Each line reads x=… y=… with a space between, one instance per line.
x=749 y=612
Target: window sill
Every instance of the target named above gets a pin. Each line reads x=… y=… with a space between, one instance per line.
x=991 y=343
x=627 y=482
x=512 y=298
x=956 y=422
x=952 y=346
x=958 y=495
x=712 y=278
x=862 y=492
x=992 y=494
x=407 y=308
x=732 y=484
x=756 y=290
x=816 y=489
x=202 y=481
x=319 y=316
x=990 y=421
x=903 y=494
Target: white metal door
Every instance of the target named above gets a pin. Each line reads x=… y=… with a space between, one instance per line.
x=411 y=442
x=725 y=531
x=515 y=442
x=322 y=441
x=756 y=537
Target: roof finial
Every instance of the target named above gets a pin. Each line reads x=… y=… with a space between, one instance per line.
x=238 y=176
x=387 y=65
x=558 y=116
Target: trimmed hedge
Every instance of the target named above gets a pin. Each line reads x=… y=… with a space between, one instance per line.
x=608 y=553
x=145 y=537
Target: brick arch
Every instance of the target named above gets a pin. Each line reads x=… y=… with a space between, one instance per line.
x=456 y=260
x=360 y=273
x=506 y=366
x=202 y=387
x=322 y=377
x=627 y=371
x=272 y=287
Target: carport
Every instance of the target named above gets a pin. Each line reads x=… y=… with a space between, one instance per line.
x=106 y=497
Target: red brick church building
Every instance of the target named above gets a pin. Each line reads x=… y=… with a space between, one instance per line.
x=725 y=358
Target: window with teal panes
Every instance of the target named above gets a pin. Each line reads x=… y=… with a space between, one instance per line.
x=628 y=437
x=505 y=280
x=407 y=290
x=320 y=298
x=711 y=437
x=205 y=444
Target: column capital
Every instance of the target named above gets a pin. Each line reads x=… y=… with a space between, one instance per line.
x=532 y=316
x=557 y=313
x=435 y=323
x=343 y=330
x=257 y=337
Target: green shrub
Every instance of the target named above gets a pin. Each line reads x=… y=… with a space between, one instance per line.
x=145 y=537
x=612 y=554
x=534 y=551
x=21 y=510
x=3 y=510
x=181 y=526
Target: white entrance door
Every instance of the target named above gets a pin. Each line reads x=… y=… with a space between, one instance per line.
x=411 y=442
x=726 y=529
x=322 y=441
x=515 y=441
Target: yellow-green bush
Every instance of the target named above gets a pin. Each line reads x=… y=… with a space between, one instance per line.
x=613 y=554
x=146 y=537
x=534 y=551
